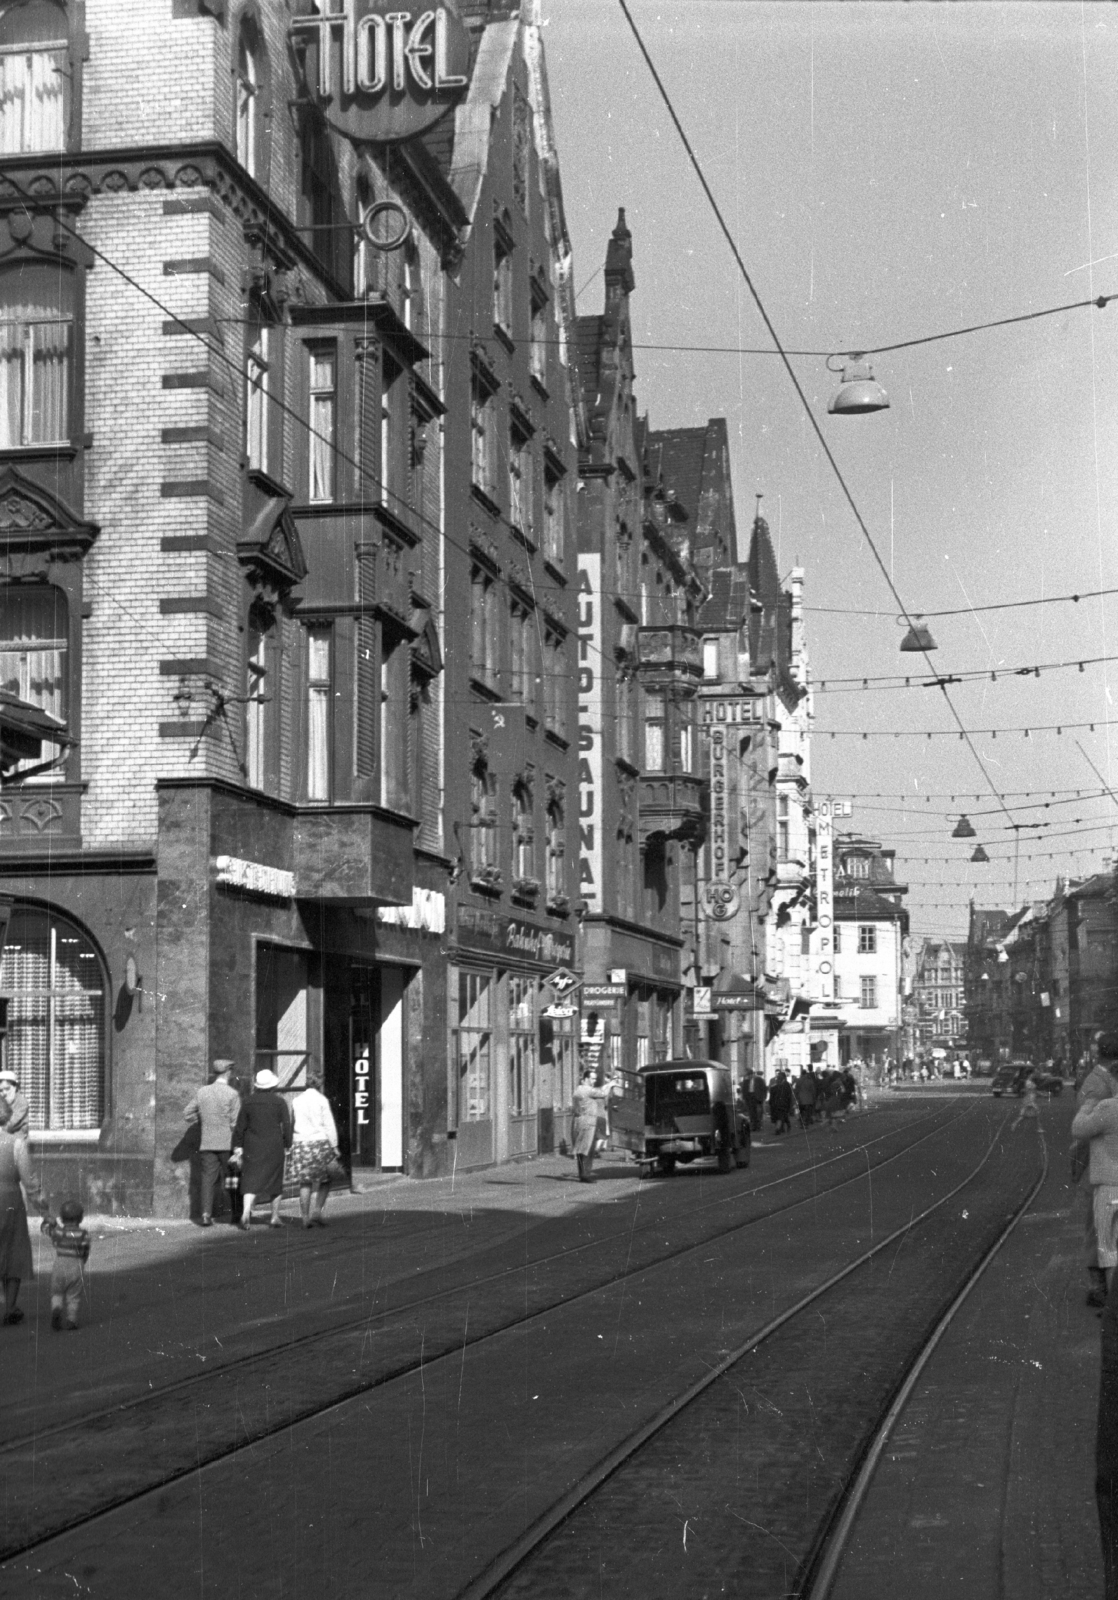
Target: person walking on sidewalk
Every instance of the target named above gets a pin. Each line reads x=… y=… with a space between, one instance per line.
x=1099 y=1083
x=16 y=1179
x=314 y=1148
x=1097 y=1121
x=755 y=1099
x=261 y=1139
x=780 y=1103
x=10 y=1091
x=807 y=1093
x=589 y=1105
x=216 y=1107
x=71 y=1252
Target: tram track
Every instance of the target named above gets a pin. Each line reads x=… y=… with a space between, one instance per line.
x=675 y=1462
x=109 y=1451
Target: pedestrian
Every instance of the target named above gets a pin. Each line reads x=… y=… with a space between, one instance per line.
x=1028 y=1104
x=215 y=1106
x=1097 y=1122
x=71 y=1252
x=16 y=1179
x=758 y=1090
x=261 y=1138
x=1100 y=1083
x=314 y=1149
x=807 y=1093
x=589 y=1104
x=19 y=1122
x=1106 y=1447
x=780 y=1103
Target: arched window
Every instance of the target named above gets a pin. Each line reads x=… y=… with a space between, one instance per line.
x=34 y=77
x=56 y=1019
x=249 y=92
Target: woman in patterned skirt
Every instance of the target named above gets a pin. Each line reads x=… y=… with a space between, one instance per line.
x=313 y=1150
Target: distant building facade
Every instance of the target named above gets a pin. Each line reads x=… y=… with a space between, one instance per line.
x=871 y=924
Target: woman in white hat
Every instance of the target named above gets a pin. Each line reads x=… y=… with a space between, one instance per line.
x=261 y=1138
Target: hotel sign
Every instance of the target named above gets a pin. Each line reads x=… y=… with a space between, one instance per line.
x=379 y=72
x=823 y=939
x=590 y=730
x=273 y=883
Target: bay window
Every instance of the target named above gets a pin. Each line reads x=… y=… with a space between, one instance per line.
x=655 y=712
x=34 y=630
x=36 y=340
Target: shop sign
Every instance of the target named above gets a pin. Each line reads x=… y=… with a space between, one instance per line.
x=597 y=993
x=381 y=73
x=486 y=930
x=361 y=1088
x=590 y=730
x=426 y=914
x=663 y=962
x=721 y=900
x=255 y=878
x=823 y=937
x=563 y=981
x=746 y=708
x=559 y=1012
x=701 y=1008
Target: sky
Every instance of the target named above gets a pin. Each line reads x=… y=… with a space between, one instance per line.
x=888 y=172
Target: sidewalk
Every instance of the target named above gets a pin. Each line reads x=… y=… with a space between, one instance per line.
x=986 y=1488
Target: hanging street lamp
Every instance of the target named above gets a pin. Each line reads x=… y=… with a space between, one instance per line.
x=918 y=639
x=859 y=393
x=963 y=830
x=979 y=854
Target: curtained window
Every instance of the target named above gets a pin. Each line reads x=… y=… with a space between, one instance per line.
x=34 y=77
x=56 y=1019
x=36 y=339
x=319 y=702
x=34 y=628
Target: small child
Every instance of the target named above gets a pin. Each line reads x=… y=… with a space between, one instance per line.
x=71 y=1252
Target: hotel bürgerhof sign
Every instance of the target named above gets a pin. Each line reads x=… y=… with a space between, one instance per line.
x=379 y=72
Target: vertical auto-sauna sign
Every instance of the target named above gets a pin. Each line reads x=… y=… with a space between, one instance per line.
x=824 y=936
x=590 y=729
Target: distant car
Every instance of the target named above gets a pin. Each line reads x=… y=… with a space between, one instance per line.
x=1011 y=1080
x=1004 y=1081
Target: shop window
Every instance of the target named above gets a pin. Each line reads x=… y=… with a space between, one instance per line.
x=522 y=1047
x=34 y=77
x=56 y=1019
x=484 y=625
x=320 y=700
x=554 y=517
x=655 y=712
x=322 y=381
x=869 y=994
x=281 y=1013
x=36 y=354
x=473 y=1046
x=34 y=647
x=867 y=940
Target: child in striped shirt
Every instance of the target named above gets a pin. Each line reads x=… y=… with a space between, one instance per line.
x=71 y=1252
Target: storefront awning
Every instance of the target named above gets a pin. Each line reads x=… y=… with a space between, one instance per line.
x=737 y=993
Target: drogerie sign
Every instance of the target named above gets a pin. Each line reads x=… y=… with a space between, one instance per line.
x=382 y=73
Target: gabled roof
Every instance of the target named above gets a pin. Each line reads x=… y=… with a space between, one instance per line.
x=852 y=905
x=770 y=632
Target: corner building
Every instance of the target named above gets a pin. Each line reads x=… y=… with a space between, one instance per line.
x=235 y=449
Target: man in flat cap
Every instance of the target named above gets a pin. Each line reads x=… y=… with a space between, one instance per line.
x=216 y=1107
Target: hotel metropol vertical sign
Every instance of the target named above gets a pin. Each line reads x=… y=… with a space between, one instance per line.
x=379 y=72
x=823 y=938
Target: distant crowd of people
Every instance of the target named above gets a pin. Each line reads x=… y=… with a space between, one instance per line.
x=824 y=1096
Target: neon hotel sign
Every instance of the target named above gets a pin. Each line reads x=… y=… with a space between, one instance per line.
x=383 y=72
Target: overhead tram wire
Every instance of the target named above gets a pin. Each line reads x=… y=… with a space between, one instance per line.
x=984 y=675
x=966 y=611
x=817 y=430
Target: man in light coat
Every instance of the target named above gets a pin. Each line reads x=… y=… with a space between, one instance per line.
x=216 y=1107
x=1101 y=1083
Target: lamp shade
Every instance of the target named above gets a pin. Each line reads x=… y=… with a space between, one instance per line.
x=918 y=639
x=979 y=854
x=962 y=830
x=858 y=393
